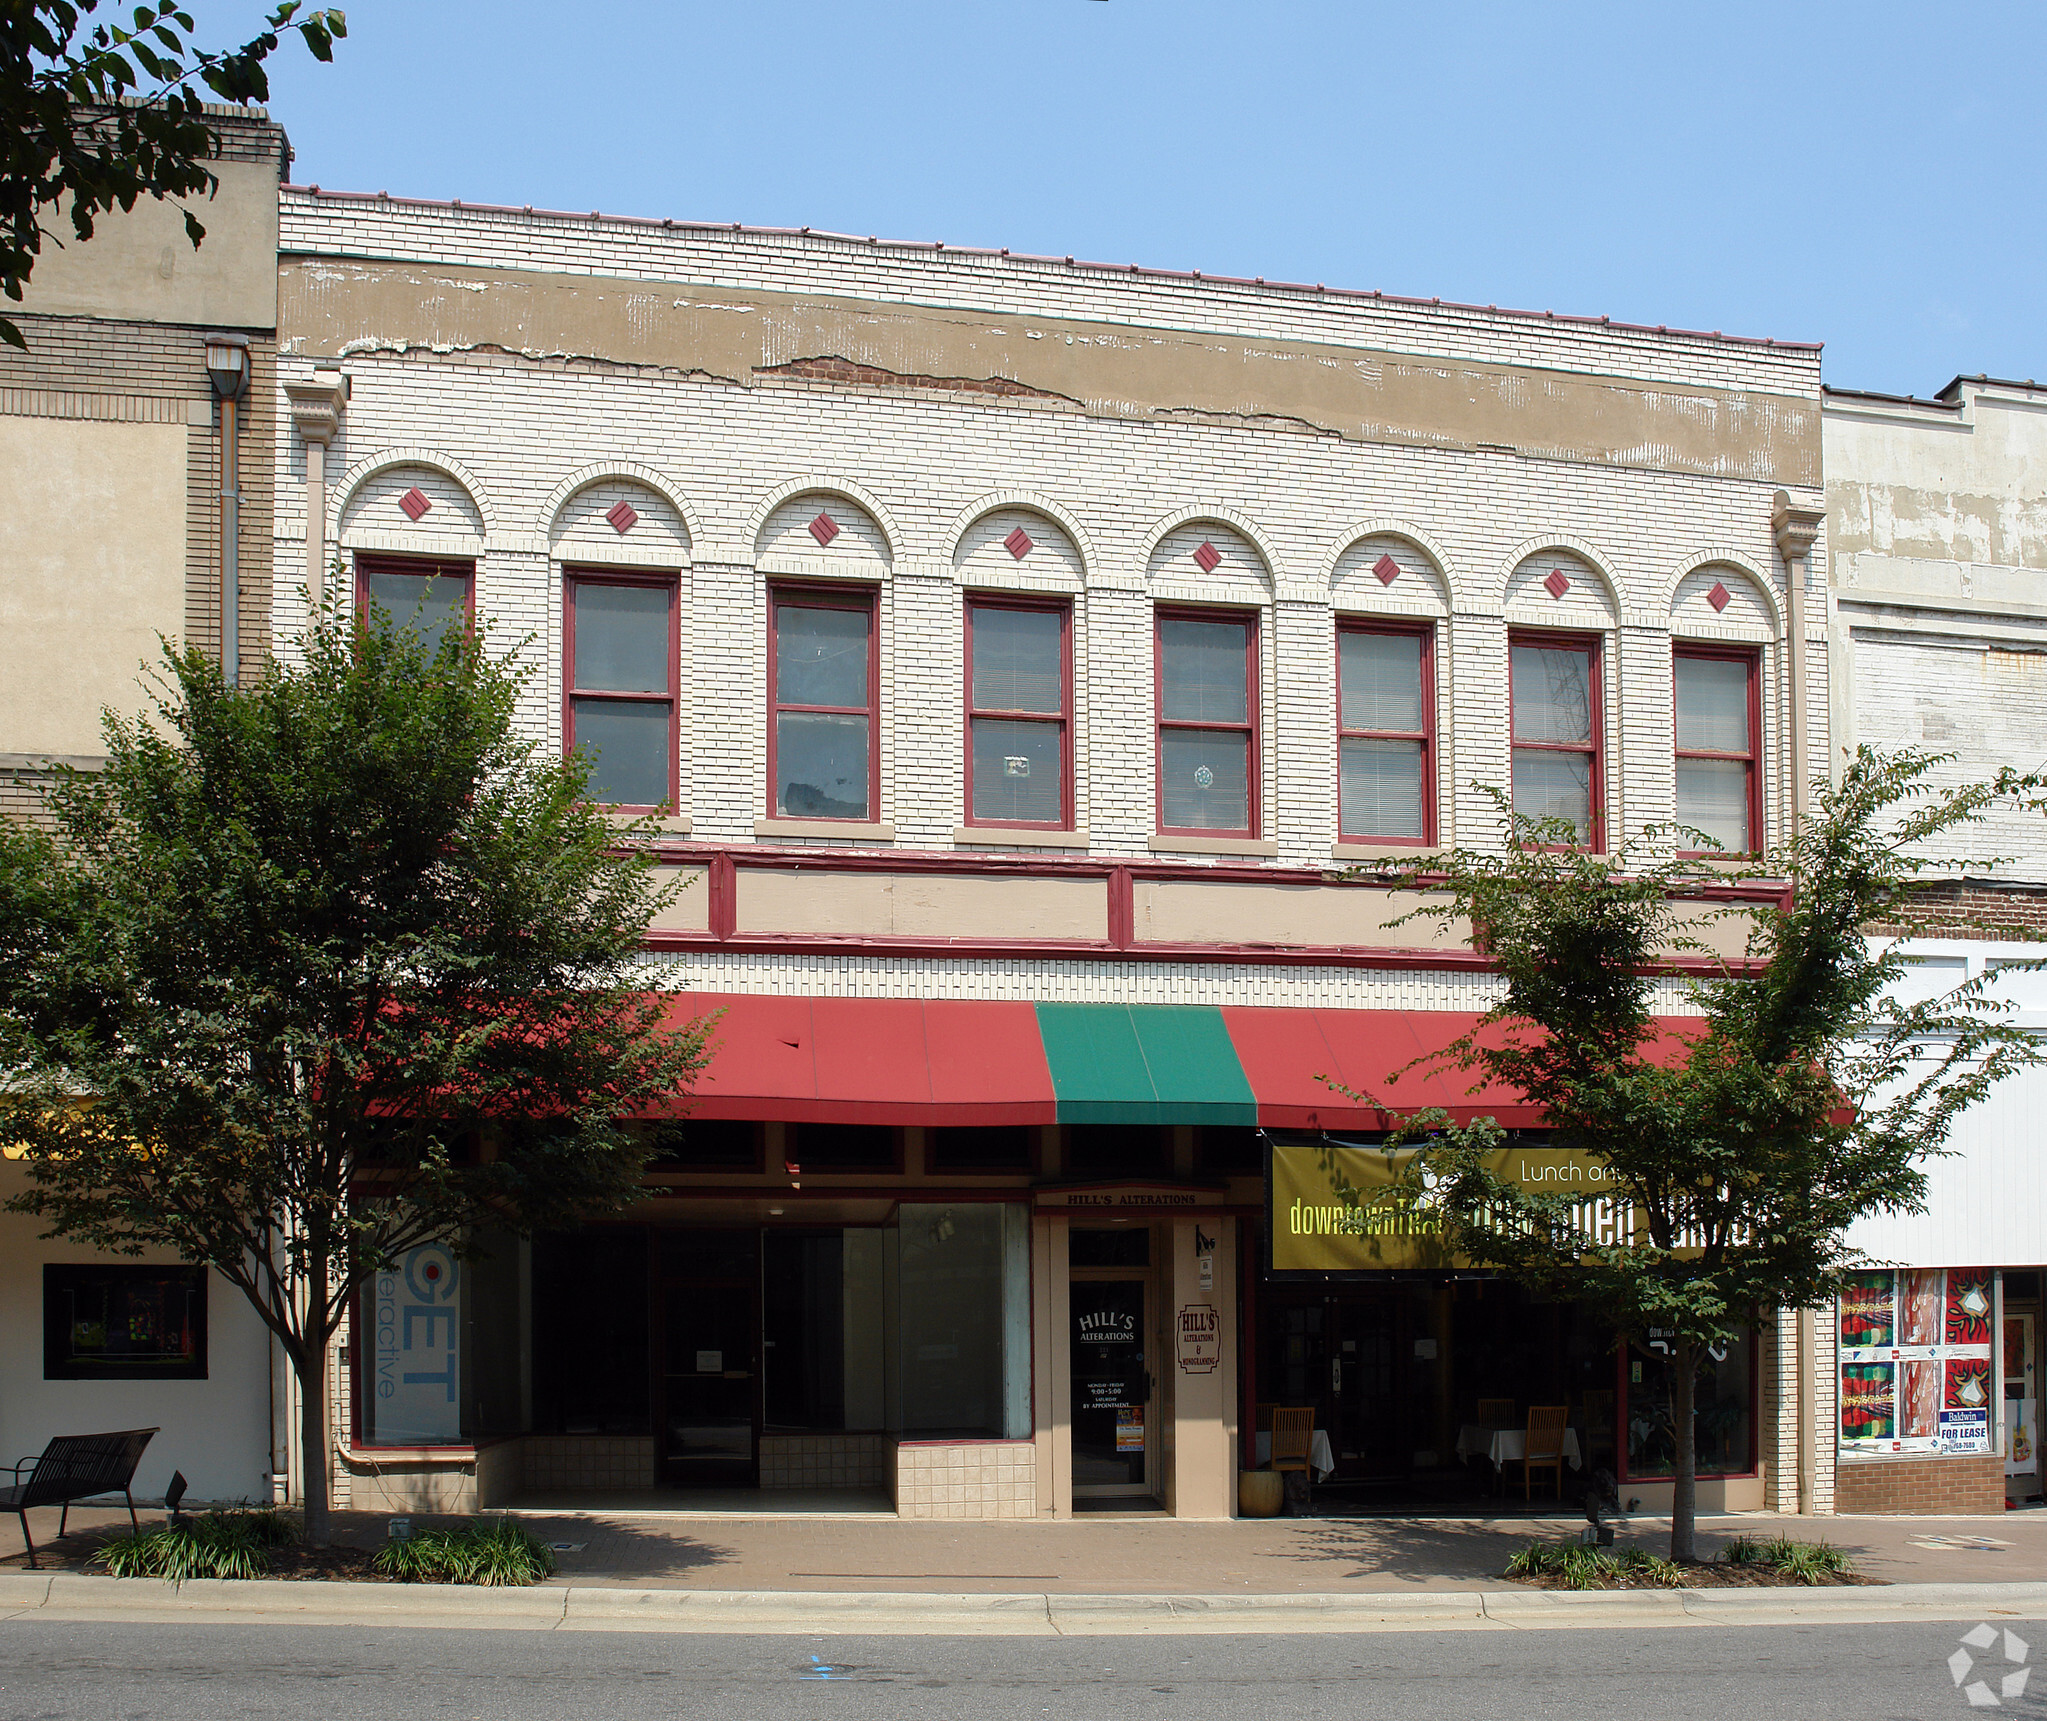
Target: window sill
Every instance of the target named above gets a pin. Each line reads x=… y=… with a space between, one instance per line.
x=831 y=830
x=1383 y=851
x=1000 y=836
x=1264 y=847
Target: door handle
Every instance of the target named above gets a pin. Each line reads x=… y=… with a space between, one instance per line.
x=1336 y=1374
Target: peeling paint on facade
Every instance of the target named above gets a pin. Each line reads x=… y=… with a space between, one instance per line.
x=348 y=306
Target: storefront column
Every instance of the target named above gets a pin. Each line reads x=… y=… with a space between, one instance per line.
x=1781 y=1413
x=1199 y=1340
x=1051 y=1384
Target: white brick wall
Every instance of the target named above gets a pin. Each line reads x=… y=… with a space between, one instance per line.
x=1298 y=519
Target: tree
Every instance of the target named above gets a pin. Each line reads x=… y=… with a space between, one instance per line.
x=322 y=968
x=84 y=128
x=1806 y=1098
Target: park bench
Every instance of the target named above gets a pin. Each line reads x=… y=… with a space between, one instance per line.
x=76 y=1467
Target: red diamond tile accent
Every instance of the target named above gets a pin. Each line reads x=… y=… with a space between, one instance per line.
x=1719 y=597
x=414 y=503
x=824 y=529
x=1208 y=558
x=1556 y=585
x=1387 y=569
x=1018 y=543
x=622 y=517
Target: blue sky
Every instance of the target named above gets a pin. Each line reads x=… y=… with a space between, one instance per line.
x=1866 y=175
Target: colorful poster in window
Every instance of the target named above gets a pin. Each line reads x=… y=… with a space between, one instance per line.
x=415 y=1322
x=1915 y=1362
x=1968 y=1306
x=1922 y=1304
x=1968 y=1383
x=1868 y=1401
x=1868 y=1312
x=1921 y=1408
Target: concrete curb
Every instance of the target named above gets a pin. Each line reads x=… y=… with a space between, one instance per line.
x=847 y=1613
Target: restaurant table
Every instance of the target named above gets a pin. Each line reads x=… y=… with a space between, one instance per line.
x=1320 y=1454
x=1505 y=1446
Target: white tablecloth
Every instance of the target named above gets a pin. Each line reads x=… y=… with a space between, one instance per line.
x=1320 y=1454
x=1504 y=1446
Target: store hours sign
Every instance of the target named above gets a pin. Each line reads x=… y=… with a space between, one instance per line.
x=1915 y=1362
x=415 y=1386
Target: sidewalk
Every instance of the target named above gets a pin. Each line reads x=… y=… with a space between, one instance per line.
x=1134 y=1556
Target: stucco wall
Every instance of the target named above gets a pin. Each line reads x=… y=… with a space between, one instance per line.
x=92 y=539
x=217 y=1430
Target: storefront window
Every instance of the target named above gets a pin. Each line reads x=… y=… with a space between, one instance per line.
x=107 y=1322
x=803 y=1325
x=1723 y=1406
x=963 y=1274
x=590 y=1362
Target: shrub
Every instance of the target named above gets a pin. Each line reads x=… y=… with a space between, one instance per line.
x=498 y=1553
x=1577 y=1567
x=1802 y=1562
x=220 y=1544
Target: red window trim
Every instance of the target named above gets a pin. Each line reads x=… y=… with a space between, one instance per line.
x=574 y=575
x=847 y=597
x=1064 y=610
x=368 y=563
x=1595 y=644
x=1425 y=631
x=1752 y=657
x=1191 y=612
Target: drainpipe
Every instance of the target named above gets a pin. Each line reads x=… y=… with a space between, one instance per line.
x=227 y=367
x=1795 y=529
x=316 y=415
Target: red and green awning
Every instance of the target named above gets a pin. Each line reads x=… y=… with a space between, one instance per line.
x=940 y=1062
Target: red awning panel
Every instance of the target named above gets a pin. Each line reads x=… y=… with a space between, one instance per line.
x=1284 y=1051
x=871 y=1060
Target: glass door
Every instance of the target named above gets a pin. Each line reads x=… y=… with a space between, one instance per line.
x=708 y=1309
x=1114 y=1435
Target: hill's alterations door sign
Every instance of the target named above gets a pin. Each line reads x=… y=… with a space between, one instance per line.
x=1915 y=1361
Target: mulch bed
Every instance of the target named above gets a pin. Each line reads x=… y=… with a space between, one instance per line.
x=1705 y=1575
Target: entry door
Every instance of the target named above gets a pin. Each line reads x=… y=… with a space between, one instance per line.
x=2021 y=1405
x=1340 y=1354
x=1114 y=1432
x=708 y=1358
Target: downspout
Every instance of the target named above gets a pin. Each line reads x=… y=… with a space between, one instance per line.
x=227 y=368
x=1796 y=529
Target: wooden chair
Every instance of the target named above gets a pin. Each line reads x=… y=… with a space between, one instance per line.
x=1293 y=1437
x=1495 y=1412
x=1543 y=1445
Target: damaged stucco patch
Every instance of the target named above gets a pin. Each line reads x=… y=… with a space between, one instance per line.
x=328 y=305
x=1909 y=522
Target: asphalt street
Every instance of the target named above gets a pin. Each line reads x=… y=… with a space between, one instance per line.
x=133 y=1672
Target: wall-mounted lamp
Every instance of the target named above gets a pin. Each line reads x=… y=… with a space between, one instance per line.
x=227 y=365
x=227 y=368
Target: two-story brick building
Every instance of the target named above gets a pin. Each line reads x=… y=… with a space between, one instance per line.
x=1017 y=648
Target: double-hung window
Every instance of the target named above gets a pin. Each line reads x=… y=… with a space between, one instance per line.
x=417 y=592
x=620 y=673
x=1717 y=782
x=1019 y=711
x=1207 y=735
x=1557 y=751
x=1385 y=709
x=822 y=733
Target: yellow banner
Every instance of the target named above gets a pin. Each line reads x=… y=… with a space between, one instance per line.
x=1315 y=1230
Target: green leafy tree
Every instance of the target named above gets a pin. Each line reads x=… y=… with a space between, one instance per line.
x=100 y=116
x=1807 y=1097
x=325 y=967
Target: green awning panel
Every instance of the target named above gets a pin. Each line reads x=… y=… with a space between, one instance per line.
x=1144 y=1064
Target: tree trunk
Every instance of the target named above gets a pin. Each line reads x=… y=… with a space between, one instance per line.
x=314 y=1444
x=1684 y=1505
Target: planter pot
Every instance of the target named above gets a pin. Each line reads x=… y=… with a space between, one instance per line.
x=1260 y=1493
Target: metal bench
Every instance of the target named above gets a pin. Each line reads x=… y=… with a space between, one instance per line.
x=76 y=1467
